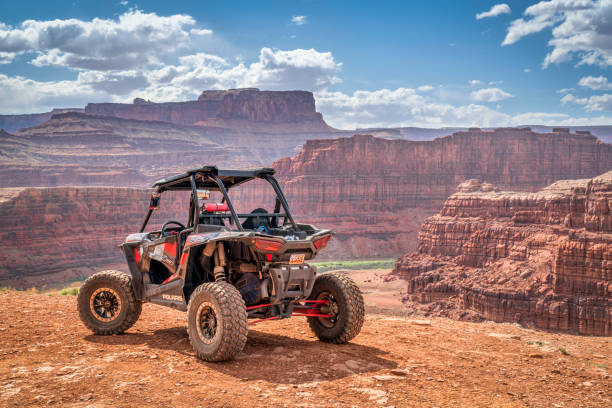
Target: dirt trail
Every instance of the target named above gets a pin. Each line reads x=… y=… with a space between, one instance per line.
x=47 y=358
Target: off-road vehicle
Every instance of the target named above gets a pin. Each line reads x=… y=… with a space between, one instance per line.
x=223 y=271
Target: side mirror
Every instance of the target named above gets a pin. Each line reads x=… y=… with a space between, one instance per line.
x=154 y=201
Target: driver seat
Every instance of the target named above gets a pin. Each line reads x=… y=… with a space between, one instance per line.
x=253 y=223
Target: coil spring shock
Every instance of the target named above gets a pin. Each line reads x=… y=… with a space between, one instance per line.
x=219 y=269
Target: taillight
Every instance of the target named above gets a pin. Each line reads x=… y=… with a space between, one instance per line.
x=321 y=242
x=267 y=245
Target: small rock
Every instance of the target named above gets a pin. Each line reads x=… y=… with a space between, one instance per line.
x=401 y=372
x=153 y=356
x=536 y=355
x=420 y=322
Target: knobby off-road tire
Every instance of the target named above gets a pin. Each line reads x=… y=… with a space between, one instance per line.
x=107 y=304
x=217 y=321
x=348 y=309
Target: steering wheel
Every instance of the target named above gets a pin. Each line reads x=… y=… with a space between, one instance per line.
x=163 y=230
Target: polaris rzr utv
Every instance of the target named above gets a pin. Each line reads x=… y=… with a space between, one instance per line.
x=223 y=268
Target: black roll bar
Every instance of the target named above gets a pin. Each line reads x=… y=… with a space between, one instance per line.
x=226 y=197
x=279 y=193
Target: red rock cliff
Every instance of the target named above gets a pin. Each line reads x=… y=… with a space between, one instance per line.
x=375 y=193
x=247 y=109
x=51 y=235
x=541 y=259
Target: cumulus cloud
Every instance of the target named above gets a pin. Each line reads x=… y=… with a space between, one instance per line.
x=6 y=57
x=593 y=103
x=495 y=11
x=581 y=29
x=475 y=82
x=490 y=95
x=299 y=69
x=135 y=39
x=599 y=83
x=405 y=107
x=20 y=95
x=425 y=88
x=564 y=90
x=299 y=20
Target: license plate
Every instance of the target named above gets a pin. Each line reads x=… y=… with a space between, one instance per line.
x=296 y=259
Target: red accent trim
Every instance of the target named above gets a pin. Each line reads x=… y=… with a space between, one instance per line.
x=137 y=255
x=315 y=301
x=170 y=278
x=263 y=320
x=258 y=306
x=183 y=258
x=170 y=248
x=312 y=314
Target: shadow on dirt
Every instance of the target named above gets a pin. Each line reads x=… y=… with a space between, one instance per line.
x=270 y=357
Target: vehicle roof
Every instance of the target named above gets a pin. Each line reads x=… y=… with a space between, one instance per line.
x=230 y=178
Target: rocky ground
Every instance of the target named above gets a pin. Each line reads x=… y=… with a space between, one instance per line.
x=47 y=358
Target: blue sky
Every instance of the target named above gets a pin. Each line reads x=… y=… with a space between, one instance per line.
x=417 y=63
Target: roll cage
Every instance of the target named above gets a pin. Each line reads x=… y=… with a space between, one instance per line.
x=214 y=179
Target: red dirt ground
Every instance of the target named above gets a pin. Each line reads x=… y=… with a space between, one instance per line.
x=48 y=358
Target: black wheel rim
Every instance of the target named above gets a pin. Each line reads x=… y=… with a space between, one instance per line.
x=105 y=304
x=207 y=322
x=331 y=308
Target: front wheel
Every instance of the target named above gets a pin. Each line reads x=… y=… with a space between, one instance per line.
x=217 y=321
x=107 y=304
x=345 y=307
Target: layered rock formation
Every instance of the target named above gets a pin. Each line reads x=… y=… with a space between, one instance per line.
x=375 y=193
x=52 y=235
x=542 y=259
x=12 y=123
x=84 y=149
x=244 y=109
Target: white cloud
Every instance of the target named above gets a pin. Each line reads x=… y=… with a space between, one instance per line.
x=496 y=10
x=425 y=88
x=593 y=103
x=565 y=90
x=599 y=83
x=490 y=95
x=19 y=95
x=299 y=20
x=581 y=28
x=405 y=107
x=135 y=39
x=200 y=31
x=475 y=82
x=527 y=70
x=297 y=69
x=6 y=57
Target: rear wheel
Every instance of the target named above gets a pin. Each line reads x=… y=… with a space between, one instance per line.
x=345 y=307
x=217 y=321
x=107 y=304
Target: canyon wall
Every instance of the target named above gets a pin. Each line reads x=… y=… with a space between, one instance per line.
x=541 y=259
x=245 y=109
x=375 y=193
x=12 y=123
x=83 y=149
x=52 y=235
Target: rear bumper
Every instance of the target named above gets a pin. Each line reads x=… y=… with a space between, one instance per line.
x=291 y=281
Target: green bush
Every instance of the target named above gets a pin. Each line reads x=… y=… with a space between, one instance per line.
x=69 y=291
x=358 y=264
